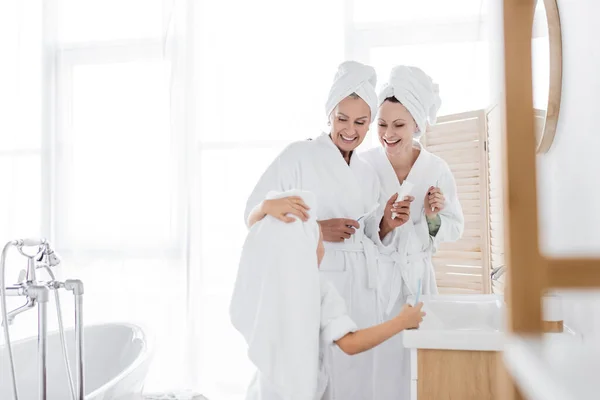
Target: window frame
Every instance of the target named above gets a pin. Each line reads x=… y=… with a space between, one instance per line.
x=60 y=59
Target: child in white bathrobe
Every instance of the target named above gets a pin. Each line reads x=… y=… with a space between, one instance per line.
x=291 y=317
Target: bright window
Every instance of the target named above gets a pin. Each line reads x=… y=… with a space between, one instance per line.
x=461 y=70
x=84 y=21
x=117 y=167
x=373 y=11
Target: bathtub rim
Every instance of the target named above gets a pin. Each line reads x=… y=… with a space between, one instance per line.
x=145 y=354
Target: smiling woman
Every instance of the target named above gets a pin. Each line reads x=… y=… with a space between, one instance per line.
x=396 y=126
x=349 y=124
x=409 y=102
x=328 y=167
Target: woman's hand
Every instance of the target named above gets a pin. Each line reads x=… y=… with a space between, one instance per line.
x=401 y=209
x=434 y=202
x=280 y=208
x=338 y=229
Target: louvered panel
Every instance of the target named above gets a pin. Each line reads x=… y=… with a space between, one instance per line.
x=463 y=266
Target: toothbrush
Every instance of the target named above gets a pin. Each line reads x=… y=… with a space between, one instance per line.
x=375 y=208
x=371 y=211
x=437 y=183
x=418 y=293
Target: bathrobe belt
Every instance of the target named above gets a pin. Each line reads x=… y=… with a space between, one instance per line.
x=361 y=244
x=404 y=269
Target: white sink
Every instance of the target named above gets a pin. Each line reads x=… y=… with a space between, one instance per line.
x=460 y=322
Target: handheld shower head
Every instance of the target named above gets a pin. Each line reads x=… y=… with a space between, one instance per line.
x=52 y=258
x=48 y=256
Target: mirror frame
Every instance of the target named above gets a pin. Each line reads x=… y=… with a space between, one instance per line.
x=555 y=85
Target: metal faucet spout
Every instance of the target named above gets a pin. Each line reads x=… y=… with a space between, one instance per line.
x=12 y=314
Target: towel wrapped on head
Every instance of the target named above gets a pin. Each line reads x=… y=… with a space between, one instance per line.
x=353 y=77
x=417 y=92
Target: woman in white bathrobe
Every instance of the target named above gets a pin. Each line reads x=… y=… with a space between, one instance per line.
x=290 y=316
x=347 y=191
x=409 y=101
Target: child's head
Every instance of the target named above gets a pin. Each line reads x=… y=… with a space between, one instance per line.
x=277 y=282
x=320 y=248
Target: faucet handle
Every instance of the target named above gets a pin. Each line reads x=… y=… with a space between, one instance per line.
x=32 y=242
x=497 y=272
x=22 y=275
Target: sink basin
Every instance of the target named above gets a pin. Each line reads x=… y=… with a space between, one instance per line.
x=460 y=322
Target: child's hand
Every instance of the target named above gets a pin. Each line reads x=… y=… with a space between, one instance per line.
x=410 y=317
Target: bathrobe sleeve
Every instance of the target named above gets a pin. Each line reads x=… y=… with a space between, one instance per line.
x=282 y=175
x=372 y=230
x=335 y=322
x=452 y=219
x=373 y=221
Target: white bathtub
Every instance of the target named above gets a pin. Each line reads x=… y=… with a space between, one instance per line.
x=117 y=357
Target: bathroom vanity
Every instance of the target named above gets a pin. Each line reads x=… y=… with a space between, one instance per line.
x=454 y=354
x=454 y=374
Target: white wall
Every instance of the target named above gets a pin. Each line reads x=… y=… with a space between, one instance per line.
x=569 y=174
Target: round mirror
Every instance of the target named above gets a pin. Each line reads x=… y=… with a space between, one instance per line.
x=546 y=53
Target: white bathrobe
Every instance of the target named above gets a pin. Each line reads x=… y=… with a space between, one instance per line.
x=342 y=191
x=335 y=324
x=407 y=258
x=289 y=316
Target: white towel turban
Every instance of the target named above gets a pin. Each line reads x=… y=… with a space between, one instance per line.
x=276 y=302
x=416 y=91
x=353 y=77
